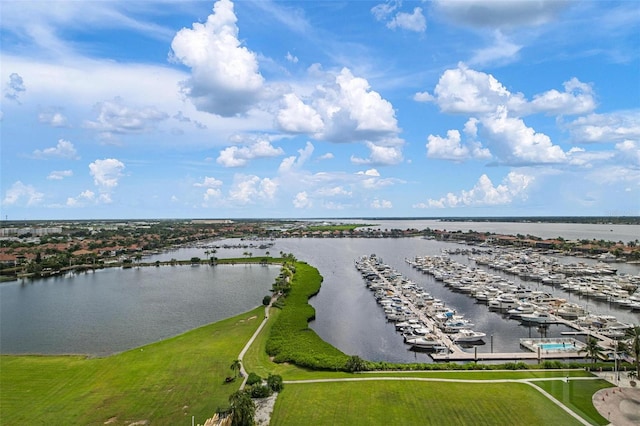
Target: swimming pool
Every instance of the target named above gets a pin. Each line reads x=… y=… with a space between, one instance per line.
x=558 y=347
x=552 y=345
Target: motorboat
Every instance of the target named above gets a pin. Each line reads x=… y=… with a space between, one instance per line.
x=522 y=309
x=468 y=336
x=571 y=311
x=453 y=326
x=503 y=302
x=538 y=317
x=424 y=342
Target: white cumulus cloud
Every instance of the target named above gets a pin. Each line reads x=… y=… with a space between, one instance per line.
x=225 y=79
x=63 y=149
x=297 y=117
x=606 y=128
x=59 y=174
x=577 y=98
x=209 y=182
x=302 y=201
x=235 y=156
x=82 y=199
x=22 y=194
x=114 y=118
x=451 y=148
x=484 y=193
x=511 y=140
x=409 y=21
x=380 y=155
x=106 y=173
x=53 y=118
x=381 y=204
x=248 y=189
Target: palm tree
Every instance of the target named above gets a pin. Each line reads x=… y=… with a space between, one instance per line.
x=592 y=349
x=633 y=346
x=242 y=408
x=236 y=365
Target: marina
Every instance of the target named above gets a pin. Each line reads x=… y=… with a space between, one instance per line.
x=427 y=324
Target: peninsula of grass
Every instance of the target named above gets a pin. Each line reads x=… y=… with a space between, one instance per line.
x=164 y=383
x=291 y=339
x=415 y=403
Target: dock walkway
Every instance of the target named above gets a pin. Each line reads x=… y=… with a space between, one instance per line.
x=456 y=353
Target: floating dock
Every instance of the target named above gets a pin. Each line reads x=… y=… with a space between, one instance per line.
x=452 y=352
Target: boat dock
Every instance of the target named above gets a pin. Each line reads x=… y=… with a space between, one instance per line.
x=402 y=300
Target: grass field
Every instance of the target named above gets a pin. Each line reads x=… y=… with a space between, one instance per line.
x=415 y=403
x=165 y=383
x=576 y=394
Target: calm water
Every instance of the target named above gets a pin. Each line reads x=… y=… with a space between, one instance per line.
x=349 y=318
x=113 y=310
x=568 y=231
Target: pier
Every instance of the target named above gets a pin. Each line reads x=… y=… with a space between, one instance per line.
x=402 y=300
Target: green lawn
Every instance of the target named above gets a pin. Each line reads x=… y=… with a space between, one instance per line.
x=165 y=382
x=415 y=403
x=576 y=394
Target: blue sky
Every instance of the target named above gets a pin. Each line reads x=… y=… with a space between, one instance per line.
x=166 y=109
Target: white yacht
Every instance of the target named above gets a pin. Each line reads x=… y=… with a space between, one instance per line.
x=522 y=309
x=503 y=302
x=538 y=317
x=468 y=336
x=424 y=342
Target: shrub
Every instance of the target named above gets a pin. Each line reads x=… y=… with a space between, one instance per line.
x=274 y=382
x=260 y=391
x=253 y=379
x=266 y=300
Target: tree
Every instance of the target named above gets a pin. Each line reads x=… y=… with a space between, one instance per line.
x=355 y=363
x=592 y=349
x=242 y=409
x=275 y=383
x=236 y=365
x=633 y=346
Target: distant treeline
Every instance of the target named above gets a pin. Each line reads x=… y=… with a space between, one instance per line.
x=617 y=220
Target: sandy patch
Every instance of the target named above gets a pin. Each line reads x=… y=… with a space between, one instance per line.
x=111 y=420
x=264 y=408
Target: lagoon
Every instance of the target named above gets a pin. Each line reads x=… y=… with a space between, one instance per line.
x=115 y=309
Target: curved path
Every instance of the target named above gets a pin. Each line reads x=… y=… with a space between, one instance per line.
x=243 y=372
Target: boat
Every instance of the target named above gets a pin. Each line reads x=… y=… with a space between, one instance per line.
x=570 y=311
x=522 y=309
x=468 y=336
x=424 y=342
x=453 y=326
x=503 y=302
x=538 y=317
